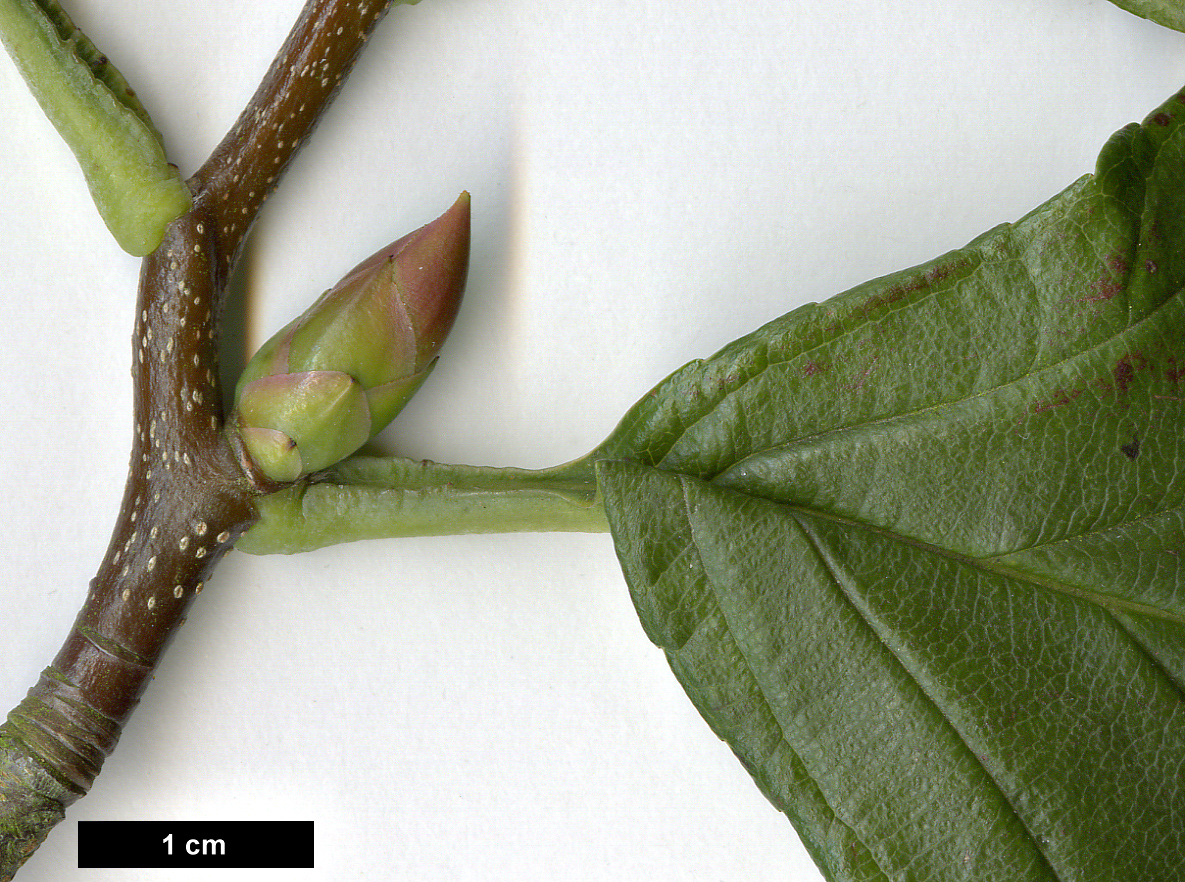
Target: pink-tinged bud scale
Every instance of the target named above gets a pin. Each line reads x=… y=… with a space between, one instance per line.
x=341 y=372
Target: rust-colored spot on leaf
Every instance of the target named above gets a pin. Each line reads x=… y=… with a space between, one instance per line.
x=891 y=295
x=1163 y=119
x=1123 y=373
x=1125 y=370
x=1060 y=398
x=861 y=378
x=941 y=272
x=1104 y=289
x=1110 y=284
x=1175 y=373
x=933 y=276
x=813 y=367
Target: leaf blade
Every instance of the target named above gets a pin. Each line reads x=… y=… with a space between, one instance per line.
x=1092 y=249
x=938 y=776
x=989 y=444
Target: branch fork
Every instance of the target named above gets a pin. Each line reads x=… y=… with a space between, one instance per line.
x=188 y=495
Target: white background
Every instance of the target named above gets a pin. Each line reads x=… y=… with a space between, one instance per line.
x=650 y=180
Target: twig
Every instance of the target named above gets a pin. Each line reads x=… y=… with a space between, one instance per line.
x=188 y=494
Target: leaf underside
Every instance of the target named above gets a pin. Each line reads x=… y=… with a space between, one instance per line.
x=915 y=552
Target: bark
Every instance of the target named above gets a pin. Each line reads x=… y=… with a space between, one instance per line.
x=189 y=493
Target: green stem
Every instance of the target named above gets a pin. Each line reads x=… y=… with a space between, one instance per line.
x=384 y=497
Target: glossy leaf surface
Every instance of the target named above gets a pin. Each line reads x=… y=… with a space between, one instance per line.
x=915 y=552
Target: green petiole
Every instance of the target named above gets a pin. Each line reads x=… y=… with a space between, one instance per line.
x=383 y=497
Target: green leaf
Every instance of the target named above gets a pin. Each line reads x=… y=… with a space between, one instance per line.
x=917 y=713
x=915 y=552
x=138 y=193
x=1170 y=13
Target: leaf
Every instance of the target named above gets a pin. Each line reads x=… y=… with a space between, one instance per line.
x=919 y=714
x=915 y=553
x=1170 y=13
x=138 y=193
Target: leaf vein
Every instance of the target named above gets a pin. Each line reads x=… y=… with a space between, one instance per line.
x=761 y=355
x=941 y=408
x=689 y=512
x=1087 y=534
x=1152 y=657
x=990 y=565
x=916 y=677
